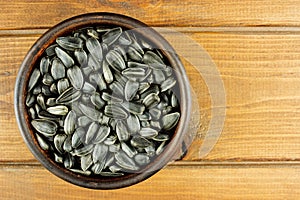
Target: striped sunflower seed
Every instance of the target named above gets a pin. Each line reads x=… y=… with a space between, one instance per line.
x=170 y=120
x=70 y=122
x=46 y=127
x=107 y=73
x=91 y=132
x=148 y=132
x=133 y=54
x=151 y=57
x=110 y=99
x=86 y=162
x=43 y=144
x=142 y=159
x=140 y=142
x=122 y=132
x=70 y=43
x=58 y=141
x=115 y=112
x=75 y=77
x=97 y=101
x=65 y=58
x=112 y=35
x=125 y=161
x=97 y=167
x=57 y=69
x=44 y=65
x=77 y=137
x=94 y=47
x=102 y=134
x=69 y=161
x=67 y=146
x=84 y=121
x=81 y=57
x=33 y=79
x=68 y=96
x=99 y=153
x=125 y=39
x=133 y=123
x=92 y=113
x=58 y=110
x=128 y=149
x=134 y=108
x=130 y=90
x=62 y=85
x=85 y=150
x=115 y=60
x=167 y=84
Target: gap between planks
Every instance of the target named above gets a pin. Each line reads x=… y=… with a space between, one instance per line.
x=244 y=30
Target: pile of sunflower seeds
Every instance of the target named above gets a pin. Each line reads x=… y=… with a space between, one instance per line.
x=103 y=101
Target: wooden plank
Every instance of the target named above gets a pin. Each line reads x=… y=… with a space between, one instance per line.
x=261 y=79
x=155 y=13
x=173 y=182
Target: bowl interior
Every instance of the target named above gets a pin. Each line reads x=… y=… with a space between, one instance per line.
x=65 y=28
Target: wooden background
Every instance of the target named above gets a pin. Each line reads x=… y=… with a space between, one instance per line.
x=256 y=47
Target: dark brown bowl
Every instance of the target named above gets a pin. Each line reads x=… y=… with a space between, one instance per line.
x=33 y=57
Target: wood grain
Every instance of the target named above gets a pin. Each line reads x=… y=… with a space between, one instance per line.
x=179 y=182
x=260 y=73
x=14 y=15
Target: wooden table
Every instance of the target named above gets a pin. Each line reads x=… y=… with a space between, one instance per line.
x=256 y=48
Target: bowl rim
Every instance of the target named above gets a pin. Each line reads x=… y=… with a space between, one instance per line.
x=30 y=61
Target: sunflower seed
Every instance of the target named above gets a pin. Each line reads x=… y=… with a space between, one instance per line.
x=36 y=90
x=67 y=146
x=58 y=110
x=115 y=111
x=68 y=96
x=77 y=137
x=69 y=123
x=46 y=90
x=135 y=74
x=133 y=54
x=151 y=100
x=50 y=51
x=112 y=35
x=97 y=101
x=133 y=123
x=98 y=167
x=65 y=58
x=30 y=100
x=174 y=101
x=121 y=51
x=107 y=72
x=148 y=132
x=86 y=161
x=155 y=113
x=81 y=57
x=92 y=113
x=110 y=140
x=91 y=132
x=58 y=141
x=143 y=87
x=58 y=158
x=57 y=69
x=46 y=115
x=32 y=113
x=115 y=60
x=92 y=63
x=88 y=88
x=69 y=161
x=117 y=88
x=128 y=149
x=151 y=57
x=125 y=162
x=134 y=108
x=167 y=84
x=137 y=47
x=125 y=39
x=140 y=142
x=142 y=159
x=99 y=153
x=115 y=168
x=99 y=80
x=152 y=89
x=131 y=89
x=110 y=99
x=102 y=134
x=70 y=43
x=44 y=65
x=122 y=131
x=160 y=148
x=161 y=137
x=110 y=158
x=46 y=127
x=84 y=121
x=94 y=47
x=33 y=79
x=43 y=144
x=170 y=120
x=158 y=76
x=40 y=99
x=75 y=77
x=114 y=148
x=53 y=88
x=62 y=85
x=85 y=150
x=78 y=171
